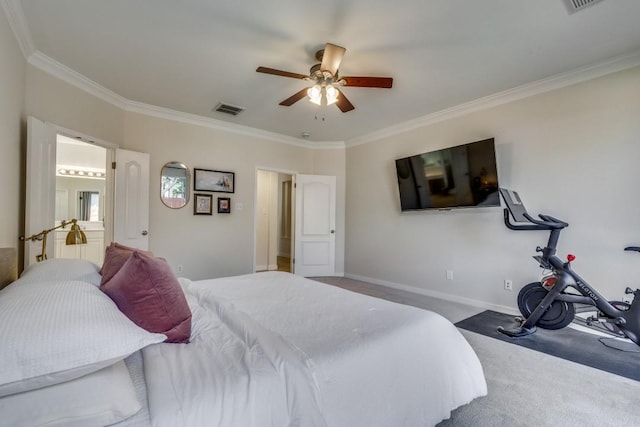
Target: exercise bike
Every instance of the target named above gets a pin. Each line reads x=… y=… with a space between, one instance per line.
x=550 y=303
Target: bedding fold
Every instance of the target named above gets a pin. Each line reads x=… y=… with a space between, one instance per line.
x=234 y=372
x=377 y=363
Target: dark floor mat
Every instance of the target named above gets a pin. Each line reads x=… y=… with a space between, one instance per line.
x=570 y=344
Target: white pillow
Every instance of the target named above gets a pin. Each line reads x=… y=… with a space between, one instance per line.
x=57 y=331
x=62 y=269
x=101 y=398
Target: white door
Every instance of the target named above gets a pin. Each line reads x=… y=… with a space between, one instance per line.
x=315 y=238
x=40 y=186
x=131 y=199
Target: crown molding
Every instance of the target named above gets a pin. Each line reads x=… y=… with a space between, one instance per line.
x=18 y=23
x=557 y=81
x=66 y=74
x=194 y=119
x=53 y=67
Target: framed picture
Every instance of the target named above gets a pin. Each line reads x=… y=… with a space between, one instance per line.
x=214 y=181
x=224 y=205
x=202 y=204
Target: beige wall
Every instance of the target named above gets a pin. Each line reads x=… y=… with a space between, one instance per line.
x=220 y=245
x=53 y=100
x=205 y=246
x=12 y=132
x=572 y=153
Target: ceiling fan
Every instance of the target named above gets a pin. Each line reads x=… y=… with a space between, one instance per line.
x=326 y=80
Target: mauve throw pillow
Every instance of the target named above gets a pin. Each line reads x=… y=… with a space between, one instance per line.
x=147 y=292
x=114 y=258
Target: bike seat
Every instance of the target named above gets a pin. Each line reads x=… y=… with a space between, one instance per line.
x=632 y=248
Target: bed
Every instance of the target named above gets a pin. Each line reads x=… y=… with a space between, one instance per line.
x=264 y=349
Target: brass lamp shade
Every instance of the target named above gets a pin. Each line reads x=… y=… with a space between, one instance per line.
x=76 y=236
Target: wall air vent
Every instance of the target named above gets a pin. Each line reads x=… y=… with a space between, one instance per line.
x=223 y=107
x=577 y=5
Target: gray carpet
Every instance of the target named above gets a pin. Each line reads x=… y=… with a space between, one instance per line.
x=526 y=387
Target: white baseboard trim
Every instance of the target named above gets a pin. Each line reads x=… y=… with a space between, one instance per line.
x=435 y=294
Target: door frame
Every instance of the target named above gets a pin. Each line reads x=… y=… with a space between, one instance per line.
x=109 y=185
x=109 y=181
x=255 y=210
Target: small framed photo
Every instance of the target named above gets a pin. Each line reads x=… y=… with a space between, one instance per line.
x=214 y=181
x=202 y=204
x=224 y=205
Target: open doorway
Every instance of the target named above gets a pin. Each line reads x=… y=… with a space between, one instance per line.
x=122 y=213
x=274 y=221
x=81 y=194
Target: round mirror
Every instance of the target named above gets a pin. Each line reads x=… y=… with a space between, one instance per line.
x=174 y=185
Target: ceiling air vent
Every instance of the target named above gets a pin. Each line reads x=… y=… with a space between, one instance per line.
x=223 y=107
x=576 y=5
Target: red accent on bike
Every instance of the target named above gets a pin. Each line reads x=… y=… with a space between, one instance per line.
x=570 y=257
x=549 y=282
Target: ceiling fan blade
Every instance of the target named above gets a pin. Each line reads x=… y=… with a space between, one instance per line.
x=381 y=82
x=331 y=58
x=294 y=98
x=280 y=73
x=343 y=103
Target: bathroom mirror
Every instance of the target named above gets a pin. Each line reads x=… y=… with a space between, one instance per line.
x=89 y=206
x=174 y=185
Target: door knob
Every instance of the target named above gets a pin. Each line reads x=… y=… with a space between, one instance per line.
x=333 y=231
x=145 y=232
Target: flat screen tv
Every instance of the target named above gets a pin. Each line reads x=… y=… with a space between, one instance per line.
x=455 y=177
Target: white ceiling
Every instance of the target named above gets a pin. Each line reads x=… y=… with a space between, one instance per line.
x=189 y=55
x=74 y=154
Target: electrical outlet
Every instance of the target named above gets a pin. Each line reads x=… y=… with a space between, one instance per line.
x=508 y=285
x=449 y=274
x=179 y=268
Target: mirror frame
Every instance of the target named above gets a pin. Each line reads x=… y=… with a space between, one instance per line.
x=187 y=178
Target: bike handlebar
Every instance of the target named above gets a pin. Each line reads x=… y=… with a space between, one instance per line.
x=546 y=222
x=555 y=220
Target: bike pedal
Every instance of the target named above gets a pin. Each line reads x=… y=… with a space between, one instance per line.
x=620 y=321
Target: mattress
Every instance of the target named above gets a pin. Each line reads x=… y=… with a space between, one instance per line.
x=277 y=349
x=136 y=371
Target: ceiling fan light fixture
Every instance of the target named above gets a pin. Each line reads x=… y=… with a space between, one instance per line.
x=315 y=94
x=331 y=94
x=326 y=79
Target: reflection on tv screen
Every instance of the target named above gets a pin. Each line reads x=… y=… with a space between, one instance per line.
x=461 y=176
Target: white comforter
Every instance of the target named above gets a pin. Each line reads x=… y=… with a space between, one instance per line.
x=274 y=349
